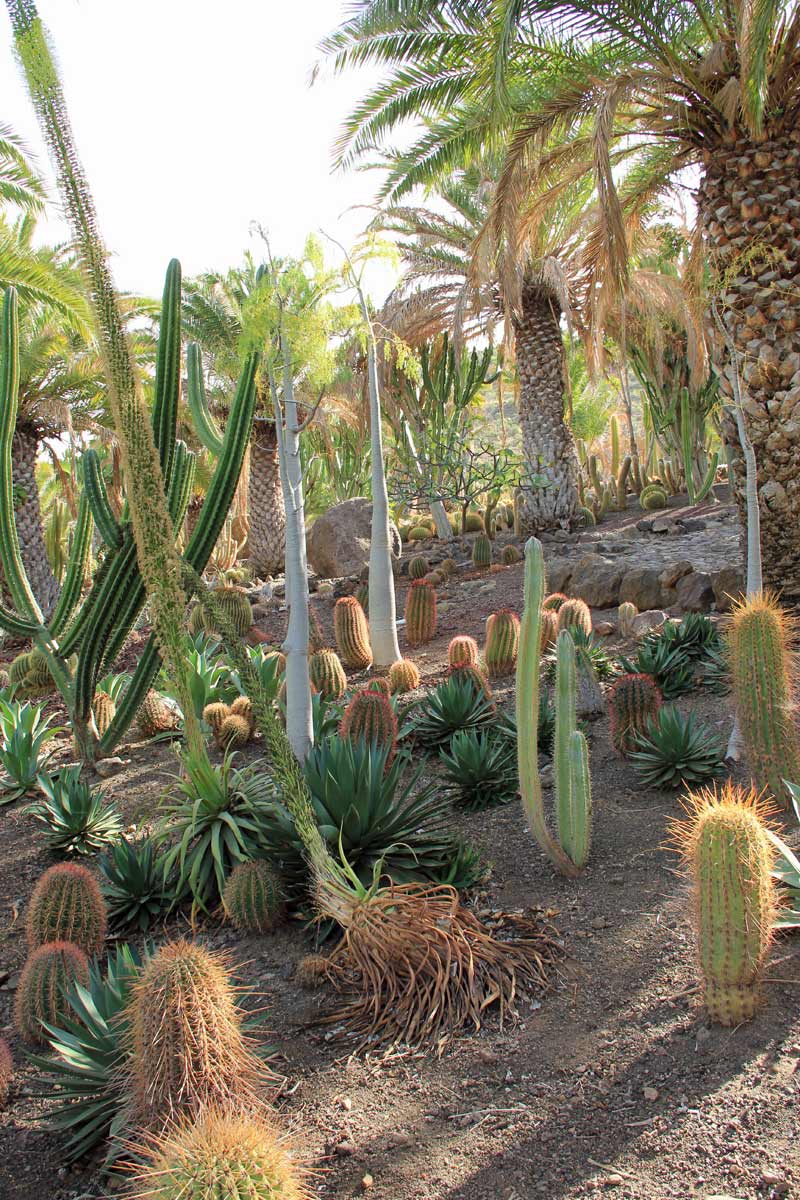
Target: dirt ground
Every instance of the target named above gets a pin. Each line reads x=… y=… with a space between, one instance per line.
x=610 y=1082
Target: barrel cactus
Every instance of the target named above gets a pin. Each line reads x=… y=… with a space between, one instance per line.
x=474 y=675
x=626 y=615
x=462 y=651
x=67 y=906
x=510 y=555
x=50 y=970
x=553 y=602
x=234 y=732
x=327 y=673
x=420 y=613
x=482 y=552
x=155 y=716
x=653 y=497
x=104 y=709
x=474 y=523
x=418 y=567
x=352 y=633
x=633 y=702
x=242 y=706
x=237 y=607
x=420 y=533
x=502 y=642
x=214 y=714
x=379 y=684
x=403 y=676
x=6 y=1071
x=370 y=716
x=549 y=627
x=252 y=898
x=18 y=670
x=575 y=614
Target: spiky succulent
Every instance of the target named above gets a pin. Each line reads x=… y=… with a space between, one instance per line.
x=134 y=884
x=78 y=819
x=668 y=665
x=455 y=704
x=677 y=750
x=253 y=899
x=66 y=905
x=480 y=769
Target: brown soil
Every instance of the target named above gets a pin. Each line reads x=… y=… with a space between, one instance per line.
x=613 y=1081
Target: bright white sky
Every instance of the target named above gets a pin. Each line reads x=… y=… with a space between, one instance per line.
x=194 y=118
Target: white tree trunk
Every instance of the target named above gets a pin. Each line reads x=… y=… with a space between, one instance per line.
x=299 y=722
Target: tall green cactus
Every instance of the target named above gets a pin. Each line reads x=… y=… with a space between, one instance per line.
x=527 y=706
x=571 y=760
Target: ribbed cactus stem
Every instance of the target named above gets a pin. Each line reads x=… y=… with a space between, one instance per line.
x=502 y=642
x=527 y=709
x=626 y=615
x=327 y=674
x=614 y=430
x=482 y=552
x=566 y=720
x=462 y=651
x=352 y=633
x=577 y=840
x=420 y=613
x=403 y=676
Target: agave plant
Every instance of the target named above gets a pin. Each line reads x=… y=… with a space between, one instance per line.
x=209 y=679
x=590 y=653
x=677 y=750
x=480 y=768
x=786 y=872
x=696 y=635
x=78 y=819
x=267 y=666
x=371 y=815
x=670 y=666
x=455 y=704
x=136 y=889
x=216 y=823
x=24 y=732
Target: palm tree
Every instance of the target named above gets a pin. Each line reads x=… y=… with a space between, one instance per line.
x=215 y=316
x=19 y=183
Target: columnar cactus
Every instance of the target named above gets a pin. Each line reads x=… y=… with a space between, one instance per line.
x=730 y=857
x=188 y=1052
x=553 y=602
x=6 y=1071
x=626 y=615
x=50 y=970
x=403 y=676
x=104 y=709
x=420 y=613
x=418 y=567
x=763 y=673
x=570 y=761
x=633 y=702
x=155 y=715
x=252 y=898
x=502 y=642
x=352 y=633
x=653 y=497
x=370 y=716
x=575 y=614
x=463 y=651
x=510 y=555
x=327 y=673
x=67 y=906
x=549 y=629
x=482 y=552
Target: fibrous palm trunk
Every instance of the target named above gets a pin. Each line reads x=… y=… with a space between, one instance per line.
x=749 y=203
x=266 y=542
x=28 y=516
x=547 y=443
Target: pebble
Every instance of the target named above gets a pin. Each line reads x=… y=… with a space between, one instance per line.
x=650 y=1093
x=106 y=767
x=367 y=1182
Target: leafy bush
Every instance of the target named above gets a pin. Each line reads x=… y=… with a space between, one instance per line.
x=135 y=886
x=455 y=704
x=78 y=819
x=677 y=750
x=24 y=732
x=481 y=769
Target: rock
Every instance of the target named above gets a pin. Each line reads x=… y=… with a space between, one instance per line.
x=642 y=587
x=603 y=629
x=325 y=588
x=106 y=767
x=694 y=592
x=663 y=525
x=265 y=592
x=559 y=572
x=596 y=581
x=675 y=571
x=338 y=541
x=650 y=1093
x=645 y=622
x=728 y=583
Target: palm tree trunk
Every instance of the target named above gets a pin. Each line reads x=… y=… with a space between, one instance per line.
x=266 y=541
x=547 y=442
x=748 y=203
x=28 y=516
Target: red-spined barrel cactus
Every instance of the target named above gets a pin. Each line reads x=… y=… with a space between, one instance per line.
x=155 y=715
x=549 y=629
x=633 y=701
x=370 y=716
x=379 y=685
x=352 y=633
x=553 y=602
x=403 y=676
x=67 y=906
x=420 y=613
x=49 y=971
x=252 y=898
x=463 y=652
x=327 y=673
x=727 y=847
x=473 y=675
x=575 y=614
x=502 y=642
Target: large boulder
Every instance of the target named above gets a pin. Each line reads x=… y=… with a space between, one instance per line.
x=641 y=586
x=338 y=542
x=596 y=580
x=695 y=592
x=728 y=584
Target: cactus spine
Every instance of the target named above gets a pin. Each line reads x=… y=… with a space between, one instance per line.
x=633 y=701
x=463 y=651
x=327 y=674
x=763 y=671
x=730 y=857
x=370 y=716
x=626 y=615
x=575 y=614
x=502 y=642
x=49 y=971
x=418 y=567
x=352 y=633
x=527 y=708
x=420 y=613
x=67 y=906
x=403 y=676
x=252 y=898
x=570 y=761
x=482 y=552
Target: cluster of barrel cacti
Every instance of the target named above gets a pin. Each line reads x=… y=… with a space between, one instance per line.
x=420 y=613
x=370 y=716
x=502 y=642
x=252 y=899
x=633 y=702
x=232 y=725
x=351 y=632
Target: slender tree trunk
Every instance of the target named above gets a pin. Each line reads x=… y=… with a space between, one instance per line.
x=547 y=442
x=748 y=203
x=28 y=516
x=266 y=541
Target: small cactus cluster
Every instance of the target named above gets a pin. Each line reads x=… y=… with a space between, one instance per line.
x=482 y=552
x=67 y=906
x=232 y=725
x=653 y=497
x=633 y=702
x=188 y=1052
x=553 y=602
x=626 y=615
x=575 y=614
x=327 y=674
x=549 y=628
x=155 y=716
x=6 y=1071
x=252 y=898
x=463 y=651
x=420 y=613
x=352 y=633
x=418 y=567
x=49 y=971
x=103 y=710
x=510 y=555
x=403 y=676
x=502 y=642
x=727 y=847
x=370 y=716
